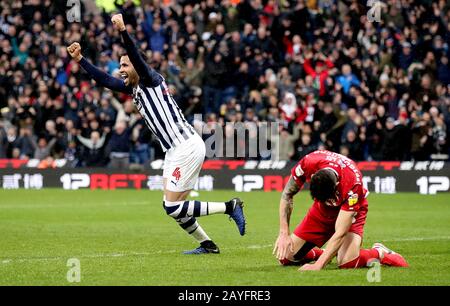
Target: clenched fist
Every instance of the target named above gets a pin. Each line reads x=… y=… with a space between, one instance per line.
x=75 y=51
x=118 y=23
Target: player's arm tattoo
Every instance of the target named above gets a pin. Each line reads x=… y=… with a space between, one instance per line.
x=290 y=190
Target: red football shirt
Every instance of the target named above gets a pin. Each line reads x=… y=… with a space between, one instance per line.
x=350 y=191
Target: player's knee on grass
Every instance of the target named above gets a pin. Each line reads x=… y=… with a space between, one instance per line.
x=287 y=262
x=299 y=257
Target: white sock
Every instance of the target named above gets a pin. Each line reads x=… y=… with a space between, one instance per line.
x=191 y=226
x=215 y=207
x=200 y=235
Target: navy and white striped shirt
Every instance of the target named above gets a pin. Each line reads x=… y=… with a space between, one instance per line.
x=151 y=97
x=162 y=115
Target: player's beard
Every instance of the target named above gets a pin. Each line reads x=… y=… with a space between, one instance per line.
x=131 y=79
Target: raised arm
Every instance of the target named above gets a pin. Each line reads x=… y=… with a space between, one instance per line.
x=85 y=142
x=147 y=75
x=51 y=144
x=101 y=141
x=102 y=78
x=308 y=68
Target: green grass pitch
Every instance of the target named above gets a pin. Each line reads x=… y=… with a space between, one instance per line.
x=123 y=237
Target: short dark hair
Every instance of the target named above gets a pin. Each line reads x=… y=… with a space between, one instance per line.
x=141 y=53
x=323 y=185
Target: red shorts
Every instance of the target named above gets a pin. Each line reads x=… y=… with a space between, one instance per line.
x=319 y=224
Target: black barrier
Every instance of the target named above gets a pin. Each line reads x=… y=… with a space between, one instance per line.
x=241 y=176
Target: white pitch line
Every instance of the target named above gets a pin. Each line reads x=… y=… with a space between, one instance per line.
x=58 y=205
x=250 y=247
x=21 y=260
x=418 y=239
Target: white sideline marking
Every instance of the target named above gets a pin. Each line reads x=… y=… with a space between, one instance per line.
x=418 y=239
x=257 y=246
x=58 y=205
x=250 y=247
x=21 y=260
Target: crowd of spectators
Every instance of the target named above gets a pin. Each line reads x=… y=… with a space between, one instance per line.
x=328 y=76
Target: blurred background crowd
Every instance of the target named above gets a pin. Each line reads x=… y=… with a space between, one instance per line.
x=331 y=78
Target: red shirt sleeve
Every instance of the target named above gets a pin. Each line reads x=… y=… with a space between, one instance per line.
x=302 y=171
x=329 y=64
x=353 y=199
x=308 y=68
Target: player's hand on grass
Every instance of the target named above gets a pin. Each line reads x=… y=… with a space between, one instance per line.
x=75 y=51
x=118 y=23
x=283 y=246
x=310 y=267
